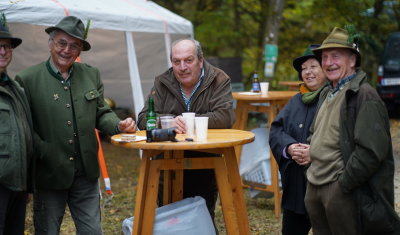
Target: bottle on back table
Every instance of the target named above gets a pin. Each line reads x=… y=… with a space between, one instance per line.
x=255 y=83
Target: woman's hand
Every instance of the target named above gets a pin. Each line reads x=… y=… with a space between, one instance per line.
x=300 y=153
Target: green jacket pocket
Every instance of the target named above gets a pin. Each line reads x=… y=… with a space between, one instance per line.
x=93 y=94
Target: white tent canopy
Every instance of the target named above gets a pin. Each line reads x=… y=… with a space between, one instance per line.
x=130 y=40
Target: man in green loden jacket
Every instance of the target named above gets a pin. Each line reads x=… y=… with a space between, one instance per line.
x=15 y=142
x=350 y=180
x=193 y=85
x=67 y=105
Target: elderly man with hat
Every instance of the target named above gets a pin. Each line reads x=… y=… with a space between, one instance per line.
x=16 y=148
x=350 y=180
x=67 y=105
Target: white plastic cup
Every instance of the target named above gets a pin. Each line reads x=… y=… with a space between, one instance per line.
x=167 y=122
x=264 y=88
x=201 y=128
x=189 y=121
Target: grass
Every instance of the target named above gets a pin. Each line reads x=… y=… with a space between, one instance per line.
x=123 y=169
x=123 y=166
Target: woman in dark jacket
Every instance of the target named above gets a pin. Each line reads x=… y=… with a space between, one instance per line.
x=288 y=141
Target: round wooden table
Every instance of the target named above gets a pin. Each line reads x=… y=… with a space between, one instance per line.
x=220 y=141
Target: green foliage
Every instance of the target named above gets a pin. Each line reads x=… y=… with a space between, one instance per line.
x=353 y=35
x=238 y=28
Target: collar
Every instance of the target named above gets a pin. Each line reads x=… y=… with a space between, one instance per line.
x=188 y=100
x=56 y=71
x=342 y=82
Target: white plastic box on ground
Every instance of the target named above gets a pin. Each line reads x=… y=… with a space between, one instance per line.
x=255 y=160
x=188 y=216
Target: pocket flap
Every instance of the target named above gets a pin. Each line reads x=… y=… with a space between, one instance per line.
x=93 y=94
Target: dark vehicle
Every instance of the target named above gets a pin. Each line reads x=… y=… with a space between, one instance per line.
x=388 y=86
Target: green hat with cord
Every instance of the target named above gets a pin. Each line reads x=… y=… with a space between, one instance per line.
x=5 y=32
x=74 y=27
x=341 y=38
x=308 y=54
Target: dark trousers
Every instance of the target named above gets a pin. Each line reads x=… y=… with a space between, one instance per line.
x=331 y=211
x=12 y=211
x=196 y=183
x=83 y=199
x=295 y=224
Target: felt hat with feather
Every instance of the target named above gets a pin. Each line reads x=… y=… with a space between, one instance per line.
x=5 y=32
x=341 y=38
x=74 y=27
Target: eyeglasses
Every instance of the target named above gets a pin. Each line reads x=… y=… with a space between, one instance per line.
x=7 y=47
x=63 y=45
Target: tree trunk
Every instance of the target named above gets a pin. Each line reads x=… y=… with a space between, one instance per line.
x=270 y=26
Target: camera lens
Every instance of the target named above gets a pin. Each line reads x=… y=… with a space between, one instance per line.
x=163 y=134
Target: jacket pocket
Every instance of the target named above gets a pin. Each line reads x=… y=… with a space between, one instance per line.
x=91 y=95
x=375 y=215
x=5 y=131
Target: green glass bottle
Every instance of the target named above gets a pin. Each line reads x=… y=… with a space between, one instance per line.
x=151 y=120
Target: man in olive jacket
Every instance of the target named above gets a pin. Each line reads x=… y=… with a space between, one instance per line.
x=67 y=105
x=15 y=142
x=193 y=85
x=351 y=188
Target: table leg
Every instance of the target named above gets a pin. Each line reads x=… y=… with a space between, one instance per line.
x=177 y=181
x=274 y=166
x=141 y=193
x=240 y=123
x=225 y=191
x=151 y=197
x=167 y=196
x=236 y=185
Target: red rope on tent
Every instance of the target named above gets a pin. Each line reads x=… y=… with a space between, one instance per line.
x=61 y=5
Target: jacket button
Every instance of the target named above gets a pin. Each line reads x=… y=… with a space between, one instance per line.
x=301 y=125
x=68 y=105
x=65 y=88
x=70 y=141
x=69 y=123
x=71 y=158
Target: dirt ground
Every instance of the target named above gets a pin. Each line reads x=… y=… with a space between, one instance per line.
x=123 y=165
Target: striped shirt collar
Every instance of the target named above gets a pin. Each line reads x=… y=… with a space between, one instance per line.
x=341 y=84
x=188 y=100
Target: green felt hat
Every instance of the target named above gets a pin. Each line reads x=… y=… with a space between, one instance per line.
x=5 y=32
x=74 y=27
x=308 y=53
x=339 y=38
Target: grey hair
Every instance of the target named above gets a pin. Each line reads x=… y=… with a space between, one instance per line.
x=199 y=51
x=53 y=33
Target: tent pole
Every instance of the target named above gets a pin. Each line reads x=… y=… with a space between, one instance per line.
x=167 y=41
x=136 y=85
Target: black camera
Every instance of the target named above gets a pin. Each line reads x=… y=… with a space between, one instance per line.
x=157 y=135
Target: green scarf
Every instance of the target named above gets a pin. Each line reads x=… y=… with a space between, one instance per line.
x=308 y=96
x=4 y=77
